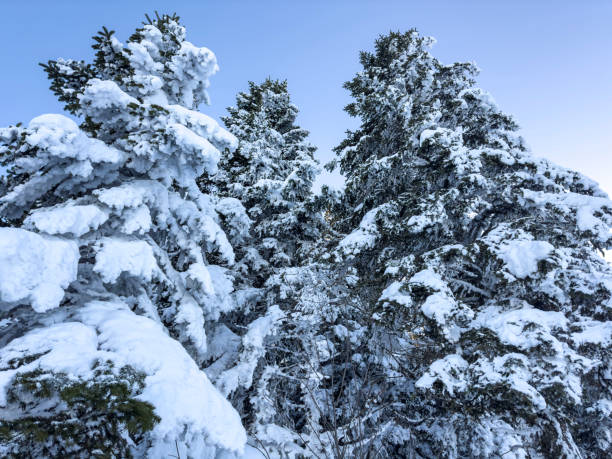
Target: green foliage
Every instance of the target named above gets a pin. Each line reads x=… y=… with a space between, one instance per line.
x=111 y=62
x=68 y=78
x=166 y=24
x=251 y=103
x=100 y=415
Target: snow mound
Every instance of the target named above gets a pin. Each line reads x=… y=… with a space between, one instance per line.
x=35 y=268
x=60 y=136
x=204 y=126
x=430 y=279
x=449 y=371
x=73 y=219
x=133 y=194
x=192 y=142
x=364 y=237
x=104 y=94
x=524 y=328
x=588 y=210
x=594 y=332
x=116 y=256
x=68 y=347
x=394 y=294
x=522 y=257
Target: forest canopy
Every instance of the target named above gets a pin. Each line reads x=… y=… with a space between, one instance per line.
x=172 y=286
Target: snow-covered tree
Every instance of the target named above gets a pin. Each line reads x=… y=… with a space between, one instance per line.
x=312 y=393
x=271 y=173
x=485 y=305
x=113 y=263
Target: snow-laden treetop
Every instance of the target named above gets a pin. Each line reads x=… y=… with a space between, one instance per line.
x=156 y=65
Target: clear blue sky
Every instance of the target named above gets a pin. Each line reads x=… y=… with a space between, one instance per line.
x=549 y=63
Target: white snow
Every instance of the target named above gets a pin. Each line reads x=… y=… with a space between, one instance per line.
x=262 y=327
x=136 y=220
x=188 y=140
x=429 y=133
x=594 y=332
x=35 y=268
x=512 y=326
x=438 y=306
x=189 y=314
x=430 y=279
x=604 y=406
x=134 y=194
x=213 y=233
x=199 y=273
x=364 y=237
x=235 y=217
x=69 y=218
x=449 y=371
x=585 y=207
x=241 y=375
x=115 y=256
x=105 y=94
x=512 y=369
x=60 y=136
x=432 y=212
x=68 y=347
x=183 y=396
x=204 y=126
x=393 y=294
x=251 y=452
x=223 y=283
x=192 y=66
x=522 y=256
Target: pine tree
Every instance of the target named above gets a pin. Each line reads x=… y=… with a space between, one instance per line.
x=113 y=263
x=483 y=303
x=271 y=174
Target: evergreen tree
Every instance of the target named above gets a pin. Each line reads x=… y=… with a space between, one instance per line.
x=483 y=303
x=271 y=173
x=112 y=262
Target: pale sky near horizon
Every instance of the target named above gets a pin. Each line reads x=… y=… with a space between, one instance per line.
x=548 y=63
